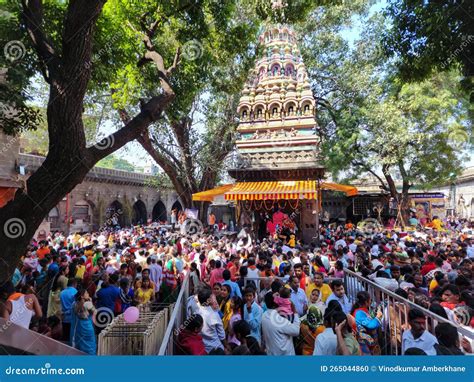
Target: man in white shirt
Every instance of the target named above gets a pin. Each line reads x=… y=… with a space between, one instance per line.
x=212 y=332
x=278 y=331
x=156 y=272
x=418 y=336
x=352 y=245
x=298 y=296
x=326 y=342
x=470 y=248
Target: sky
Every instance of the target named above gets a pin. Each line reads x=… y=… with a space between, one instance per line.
x=135 y=154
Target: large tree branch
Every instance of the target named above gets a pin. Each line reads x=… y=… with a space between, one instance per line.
x=181 y=131
x=151 y=55
x=391 y=183
x=167 y=166
x=159 y=146
x=133 y=129
x=32 y=16
x=79 y=25
x=369 y=170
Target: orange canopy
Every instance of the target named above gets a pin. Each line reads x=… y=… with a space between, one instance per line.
x=208 y=195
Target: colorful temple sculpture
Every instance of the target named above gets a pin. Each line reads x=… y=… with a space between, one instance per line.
x=278 y=168
x=277 y=133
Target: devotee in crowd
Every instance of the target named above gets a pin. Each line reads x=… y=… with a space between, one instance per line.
x=252 y=295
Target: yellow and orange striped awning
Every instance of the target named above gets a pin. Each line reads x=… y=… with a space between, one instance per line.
x=300 y=189
x=276 y=190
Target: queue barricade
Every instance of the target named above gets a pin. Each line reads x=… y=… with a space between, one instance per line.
x=176 y=320
x=143 y=337
x=395 y=313
x=138 y=338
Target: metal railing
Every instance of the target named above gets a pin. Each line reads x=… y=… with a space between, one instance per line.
x=142 y=337
x=176 y=321
x=17 y=340
x=395 y=312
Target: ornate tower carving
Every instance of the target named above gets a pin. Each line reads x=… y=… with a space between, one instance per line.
x=277 y=129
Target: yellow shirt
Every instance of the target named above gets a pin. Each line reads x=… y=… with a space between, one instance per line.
x=437 y=224
x=325 y=291
x=80 y=270
x=144 y=295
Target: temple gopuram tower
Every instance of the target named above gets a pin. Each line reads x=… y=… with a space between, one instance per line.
x=277 y=134
x=278 y=172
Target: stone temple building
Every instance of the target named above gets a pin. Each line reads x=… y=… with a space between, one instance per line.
x=278 y=165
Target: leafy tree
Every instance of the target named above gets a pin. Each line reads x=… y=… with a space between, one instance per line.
x=372 y=122
x=114 y=162
x=432 y=36
x=83 y=49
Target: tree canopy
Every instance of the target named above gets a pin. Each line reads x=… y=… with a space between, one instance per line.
x=431 y=36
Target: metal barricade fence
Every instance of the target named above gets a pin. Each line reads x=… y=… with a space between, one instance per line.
x=395 y=312
x=178 y=315
x=142 y=337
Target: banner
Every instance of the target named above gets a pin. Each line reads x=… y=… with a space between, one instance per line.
x=246 y=368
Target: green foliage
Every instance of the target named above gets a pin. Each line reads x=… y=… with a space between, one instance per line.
x=17 y=66
x=116 y=163
x=430 y=36
x=371 y=120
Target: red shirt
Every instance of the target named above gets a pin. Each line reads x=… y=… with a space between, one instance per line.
x=427 y=268
x=303 y=282
x=190 y=343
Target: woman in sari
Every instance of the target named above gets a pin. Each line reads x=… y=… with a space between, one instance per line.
x=58 y=285
x=225 y=306
x=311 y=325
x=82 y=328
x=366 y=325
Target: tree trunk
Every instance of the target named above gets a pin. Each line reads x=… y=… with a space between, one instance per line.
x=20 y=218
x=68 y=160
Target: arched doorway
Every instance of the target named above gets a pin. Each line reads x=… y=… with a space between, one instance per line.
x=139 y=213
x=159 y=212
x=177 y=206
x=114 y=214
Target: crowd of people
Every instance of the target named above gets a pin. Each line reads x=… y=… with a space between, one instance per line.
x=272 y=296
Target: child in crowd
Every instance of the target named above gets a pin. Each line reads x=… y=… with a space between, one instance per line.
x=282 y=299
